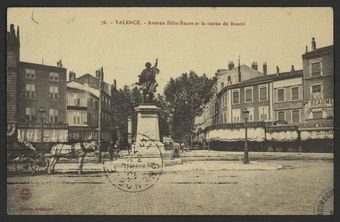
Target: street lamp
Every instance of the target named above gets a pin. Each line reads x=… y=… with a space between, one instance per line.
x=245 y=116
x=42 y=112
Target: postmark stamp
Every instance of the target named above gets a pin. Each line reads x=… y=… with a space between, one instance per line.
x=139 y=170
x=325 y=202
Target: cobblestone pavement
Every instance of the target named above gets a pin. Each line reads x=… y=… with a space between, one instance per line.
x=294 y=189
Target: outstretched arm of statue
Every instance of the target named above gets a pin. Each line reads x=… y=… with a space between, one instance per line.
x=156 y=63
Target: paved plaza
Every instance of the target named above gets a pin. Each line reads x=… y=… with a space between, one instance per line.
x=292 y=187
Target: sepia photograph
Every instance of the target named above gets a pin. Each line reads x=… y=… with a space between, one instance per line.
x=169 y=111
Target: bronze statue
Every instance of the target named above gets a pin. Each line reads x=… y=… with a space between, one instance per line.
x=147 y=82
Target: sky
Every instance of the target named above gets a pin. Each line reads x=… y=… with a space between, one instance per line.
x=79 y=37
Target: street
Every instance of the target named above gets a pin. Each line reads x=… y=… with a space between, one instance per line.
x=292 y=189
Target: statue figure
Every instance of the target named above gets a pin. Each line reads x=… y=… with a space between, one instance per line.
x=147 y=82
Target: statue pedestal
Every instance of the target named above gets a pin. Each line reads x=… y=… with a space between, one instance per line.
x=148 y=138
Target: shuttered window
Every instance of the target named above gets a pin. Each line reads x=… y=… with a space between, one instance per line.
x=316 y=69
x=280 y=95
x=295 y=93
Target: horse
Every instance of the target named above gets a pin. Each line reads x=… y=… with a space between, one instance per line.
x=72 y=151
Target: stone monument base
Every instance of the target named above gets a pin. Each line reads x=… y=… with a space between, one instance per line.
x=148 y=138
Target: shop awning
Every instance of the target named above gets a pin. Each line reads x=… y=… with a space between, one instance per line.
x=233 y=135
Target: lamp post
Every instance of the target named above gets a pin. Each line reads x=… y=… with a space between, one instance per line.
x=246 y=116
x=42 y=112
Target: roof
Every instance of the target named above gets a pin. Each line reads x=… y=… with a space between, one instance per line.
x=76 y=85
x=41 y=66
x=107 y=86
x=317 y=52
x=244 y=68
x=264 y=79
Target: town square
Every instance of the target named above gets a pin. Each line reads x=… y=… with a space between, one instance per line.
x=169 y=111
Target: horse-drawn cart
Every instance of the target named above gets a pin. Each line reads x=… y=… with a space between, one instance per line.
x=32 y=163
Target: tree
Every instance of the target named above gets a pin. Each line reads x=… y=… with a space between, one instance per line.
x=185 y=96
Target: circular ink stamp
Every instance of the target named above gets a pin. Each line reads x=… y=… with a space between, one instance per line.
x=325 y=202
x=25 y=194
x=137 y=171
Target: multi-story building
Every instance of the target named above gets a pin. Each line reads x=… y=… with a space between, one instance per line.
x=42 y=86
x=318 y=82
x=317 y=129
x=12 y=69
x=288 y=97
x=83 y=107
x=255 y=94
x=215 y=111
x=36 y=94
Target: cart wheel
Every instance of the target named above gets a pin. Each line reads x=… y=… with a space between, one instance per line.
x=42 y=164
x=25 y=167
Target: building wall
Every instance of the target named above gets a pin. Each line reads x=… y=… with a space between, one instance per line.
x=288 y=106
x=255 y=105
x=42 y=97
x=326 y=78
x=12 y=69
x=324 y=102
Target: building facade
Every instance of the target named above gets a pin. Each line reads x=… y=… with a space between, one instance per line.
x=42 y=86
x=36 y=97
x=83 y=107
x=318 y=82
x=12 y=71
x=288 y=97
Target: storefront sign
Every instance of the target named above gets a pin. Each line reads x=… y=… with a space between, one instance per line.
x=317 y=103
x=46 y=126
x=236 y=125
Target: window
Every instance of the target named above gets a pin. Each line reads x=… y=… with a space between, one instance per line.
x=316 y=68
x=30 y=91
x=54 y=77
x=295 y=116
x=280 y=95
x=29 y=114
x=263 y=93
x=236 y=96
x=91 y=101
x=236 y=115
x=53 y=113
x=229 y=80
x=248 y=92
x=251 y=113
x=295 y=93
x=317 y=91
x=281 y=115
x=54 y=92
x=263 y=113
x=77 y=101
x=30 y=73
x=317 y=114
x=96 y=104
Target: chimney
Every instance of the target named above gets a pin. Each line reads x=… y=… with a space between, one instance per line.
x=277 y=70
x=306 y=48
x=71 y=76
x=12 y=30
x=18 y=35
x=313 y=44
x=115 y=83
x=254 y=65
x=231 y=65
x=292 y=69
x=60 y=63
x=98 y=73
x=265 y=68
